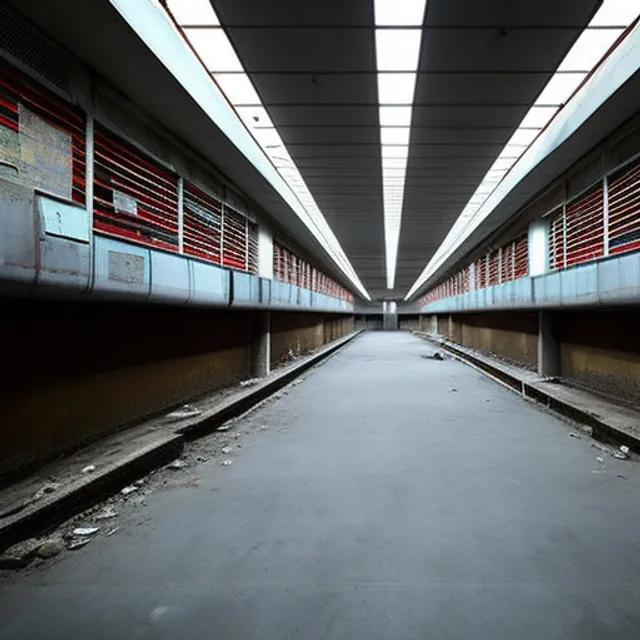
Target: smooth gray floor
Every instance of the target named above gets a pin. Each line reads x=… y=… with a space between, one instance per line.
x=379 y=503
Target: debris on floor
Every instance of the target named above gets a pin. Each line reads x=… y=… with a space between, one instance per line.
x=226 y=463
x=85 y=531
x=225 y=450
x=177 y=464
x=250 y=382
x=622 y=453
x=19 y=555
x=49 y=487
x=109 y=533
x=600 y=460
x=51 y=547
x=77 y=544
x=127 y=490
x=106 y=514
x=90 y=468
x=186 y=411
x=574 y=435
x=434 y=356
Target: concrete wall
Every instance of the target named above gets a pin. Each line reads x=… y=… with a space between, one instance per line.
x=509 y=335
x=601 y=350
x=293 y=334
x=369 y=322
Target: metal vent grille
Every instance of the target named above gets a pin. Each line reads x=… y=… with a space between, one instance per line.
x=624 y=210
x=521 y=258
x=253 y=247
x=585 y=227
x=202 y=224
x=134 y=197
x=28 y=46
x=556 y=241
x=507 y=263
x=234 y=243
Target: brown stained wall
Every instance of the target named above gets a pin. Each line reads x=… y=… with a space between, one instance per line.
x=293 y=334
x=512 y=335
x=601 y=350
x=410 y=323
x=76 y=371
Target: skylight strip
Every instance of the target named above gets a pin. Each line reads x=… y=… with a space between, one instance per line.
x=588 y=50
x=397 y=58
x=219 y=57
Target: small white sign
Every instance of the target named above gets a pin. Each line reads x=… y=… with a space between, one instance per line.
x=124 y=203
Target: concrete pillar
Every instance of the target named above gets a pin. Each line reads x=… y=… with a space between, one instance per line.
x=549 y=362
x=450 y=328
x=261 y=344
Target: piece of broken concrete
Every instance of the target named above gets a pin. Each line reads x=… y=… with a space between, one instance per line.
x=85 y=531
x=225 y=450
x=177 y=464
x=51 y=547
x=80 y=542
x=106 y=513
x=127 y=490
x=226 y=463
x=89 y=468
x=20 y=554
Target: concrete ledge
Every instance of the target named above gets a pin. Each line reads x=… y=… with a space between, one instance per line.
x=609 y=421
x=137 y=451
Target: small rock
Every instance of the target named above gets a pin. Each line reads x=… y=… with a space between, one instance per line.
x=140 y=482
x=574 y=435
x=248 y=383
x=177 y=464
x=224 y=427
x=77 y=544
x=85 y=531
x=623 y=453
x=454 y=389
x=600 y=460
x=89 y=468
x=226 y=463
x=106 y=514
x=225 y=450
x=51 y=547
x=127 y=490
x=186 y=411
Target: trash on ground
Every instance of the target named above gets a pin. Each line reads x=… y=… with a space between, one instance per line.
x=600 y=460
x=51 y=547
x=434 y=356
x=49 y=487
x=112 y=531
x=89 y=468
x=225 y=450
x=76 y=544
x=127 y=490
x=224 y=427
x=85 y=531
x=250 y=382
x=186 y=411
x=226 y=463
x=106 y=514
x=574 y=435
x=177 y=464
x=140 y=482
x=622 y=453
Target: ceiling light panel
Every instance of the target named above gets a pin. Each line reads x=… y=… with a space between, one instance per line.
x=193 y=12
x=397 y=58
x=403 y=13
x=215 y=49
x=595 y=41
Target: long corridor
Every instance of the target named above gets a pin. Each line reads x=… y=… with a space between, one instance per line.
x=386 y=496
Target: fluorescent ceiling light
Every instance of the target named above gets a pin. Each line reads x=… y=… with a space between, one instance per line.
x=214 y=49
x=399 y=12
x=616 y=13
x=254 y=117
x=268 y=137
x=395 y=152
x=396 y=88
x=559 y=88
x=397 y=49
x=238 y=88
x=523 y=136
x=395 y=116
x=193 y=12
x=394 y=135
x=589 y=48
x=538 y=116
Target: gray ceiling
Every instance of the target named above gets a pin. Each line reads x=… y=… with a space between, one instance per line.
x=482 y=64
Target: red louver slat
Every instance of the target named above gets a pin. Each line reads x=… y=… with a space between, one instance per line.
x=201 y=224
x=624 y=209
x=585 y=227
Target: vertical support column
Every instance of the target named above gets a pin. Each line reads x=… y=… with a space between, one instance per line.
x=539 y=247
x=549 y=361
x=450 y=327
x=605 y=216
x=261 y=344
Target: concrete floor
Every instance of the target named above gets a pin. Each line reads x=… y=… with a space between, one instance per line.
x=391 y=497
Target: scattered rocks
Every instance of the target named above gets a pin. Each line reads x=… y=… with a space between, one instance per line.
x=85 y=531
x=51 y=547
x=226 y=463
x=177 y=464
x=186 y=411
x=106 y=514
x=226 y=450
